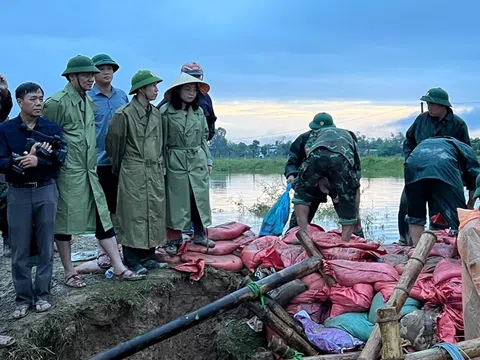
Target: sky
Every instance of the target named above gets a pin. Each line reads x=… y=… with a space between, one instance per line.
x=272 y=64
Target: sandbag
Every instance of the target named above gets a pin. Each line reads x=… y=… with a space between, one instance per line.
x=264 y=251
x=195 y=268
x=449 y=293
x=420 y=329
x=330 y=340
x=319 y=312
x=333 y=238
x=162 y=256
x=378 y=303
x=293 y=254
x=318 y=290
x=449 y=324
x=423 y=289
x=443 y=236
x=349 y=273
x=227 y=231
x=356 y=324
x=222 y=247
x=225 y=262
x=244 y=239
x=89 y=267
x=291 y=235
x=394 y=260
x=396 y=249
x=447 y=269
x=439 y=249
x=351 y=299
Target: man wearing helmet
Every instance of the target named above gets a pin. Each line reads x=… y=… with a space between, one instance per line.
x=204 y=100
x=439 y=120
x=82 y=206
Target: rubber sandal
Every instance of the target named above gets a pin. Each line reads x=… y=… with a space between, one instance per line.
x=139 y=269
x=6 y=341
x=103 y=261
x=22 y=311
x=75 y=281
x=151 y=264
x=129 y=275
x=42 y=306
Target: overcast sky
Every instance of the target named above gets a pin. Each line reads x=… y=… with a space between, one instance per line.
x=272 y=64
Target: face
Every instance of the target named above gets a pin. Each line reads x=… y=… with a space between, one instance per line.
x=32 y=103
x=105 y=76
x=86 y=80
x=436 y=110
x=188 y=92
x=150 y=91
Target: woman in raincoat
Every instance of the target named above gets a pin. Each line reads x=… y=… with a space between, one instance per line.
x=188 y=159
x=135 y=143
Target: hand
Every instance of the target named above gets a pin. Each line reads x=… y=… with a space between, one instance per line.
x=210 y=170
x=45 y=145
x=290 y=179
x=27 y=161
x=3 y=81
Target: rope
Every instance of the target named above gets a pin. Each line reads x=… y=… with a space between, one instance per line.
x=452 y=350
x=253 y=286
x=296 y=355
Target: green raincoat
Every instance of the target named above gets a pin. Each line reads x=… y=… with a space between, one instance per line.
x=135 y=143
x=187 y=158
x=78 y=186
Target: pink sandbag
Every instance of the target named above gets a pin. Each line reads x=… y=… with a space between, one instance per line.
x=90 y=267
x=163 y=257
x=318 y=290
x=291 y=236
x=351 y=299
x=396 y=249
x=346 y=253
x=449 y=293
x=447 y=269
x=293 y=254
x=225 y=262
x=333 y=238
x=244 y=239
x=443 y=236
x=319 y=312
x=423 y=289
x=439 y=249
x=264 y=251
x=449 y=324
x=195 y=268
x=222 y=247
x=349 y=273
x=227 y=231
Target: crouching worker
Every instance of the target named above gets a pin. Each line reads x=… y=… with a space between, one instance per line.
x=331 y=153
x=434 y=174
x=31 y=167
x=135 y=142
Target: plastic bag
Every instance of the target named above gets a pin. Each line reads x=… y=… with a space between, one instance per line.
x=318 y=290
x=227 y=231
x=196 y=269
x=349 y=273
x=419 y=328
x=331 y=340
x=264 y=251
x=275 y=220
x=356 y=324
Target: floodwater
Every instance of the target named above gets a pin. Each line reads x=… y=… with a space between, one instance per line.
x=232 y=194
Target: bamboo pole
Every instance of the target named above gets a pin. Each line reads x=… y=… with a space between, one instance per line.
x=285 y=293
x=286 y=333
x=312 y=250
x=277 y=345
x=390 y=332
x=196 y=317
x=470 y=348
x=372 y=348
x=282 y=314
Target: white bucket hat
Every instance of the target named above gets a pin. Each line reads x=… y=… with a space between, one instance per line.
x=187 y=79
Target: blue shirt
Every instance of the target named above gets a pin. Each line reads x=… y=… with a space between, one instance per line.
x=105 y=108
x=14 y=139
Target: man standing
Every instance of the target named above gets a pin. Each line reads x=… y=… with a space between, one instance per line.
x=32 y=195
x=82 y=206
x=331 y=153
x=107 y=100
x=439 y=120
x=435 y=173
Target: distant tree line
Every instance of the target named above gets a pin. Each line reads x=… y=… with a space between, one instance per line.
x=221 y=147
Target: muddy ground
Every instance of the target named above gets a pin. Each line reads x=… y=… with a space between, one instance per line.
x=85 y=322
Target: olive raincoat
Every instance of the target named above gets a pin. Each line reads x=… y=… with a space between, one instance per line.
x=187 y=158
x=135 y=143
x=78 y=186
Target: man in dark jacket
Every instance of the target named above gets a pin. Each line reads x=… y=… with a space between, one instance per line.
x=439 y=120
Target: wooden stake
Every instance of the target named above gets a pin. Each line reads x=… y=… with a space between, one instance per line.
x=291 y=337
x=285 y=317
x=285 y=293
x=312 y=250
x=372 y=348
x=280 y=348
x=390 y=331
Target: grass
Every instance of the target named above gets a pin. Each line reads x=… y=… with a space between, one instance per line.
x=372 y=166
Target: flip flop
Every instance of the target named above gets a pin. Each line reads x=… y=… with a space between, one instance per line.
x=129 y=275
x=22 y=311
x=42 y=306
x=6 y=341
x=103 y=261
x=75 y=281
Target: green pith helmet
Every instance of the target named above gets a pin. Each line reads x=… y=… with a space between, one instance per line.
x=80 y=64
x=104 y=59
x=477 y=186
x=321 y=121
x=436 y=96
x=143 y=78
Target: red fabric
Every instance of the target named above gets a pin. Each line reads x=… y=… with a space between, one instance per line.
x=246 y=238
x=195 y=268
x=438 y=219
x=447 y=269
x=349 y=273
x=319 y=312
x=351 y=299
x=396 y=249
x=173 y=234
x=423 y=289
x=163 y=257
x=225 y=262
x=331 y=239
x=227 y=231
x=439 y=249
x=222 y=247
x=317 y=290
x=449 y=324
x=264 y=251
x=291 y=236
x=449 y=293
x=444 y=237
x=293 y=254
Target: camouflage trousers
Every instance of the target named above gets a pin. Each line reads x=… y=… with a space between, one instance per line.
x=342 y=177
